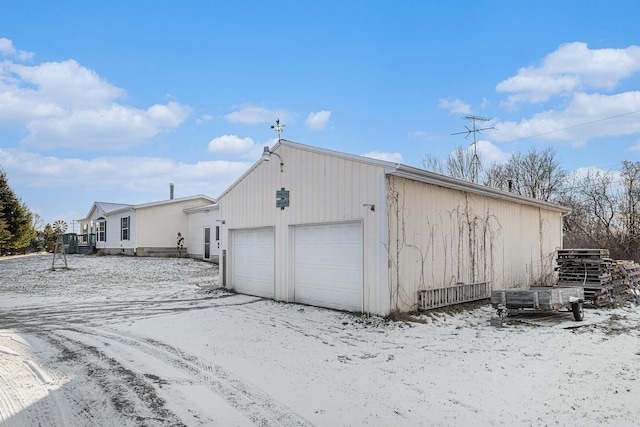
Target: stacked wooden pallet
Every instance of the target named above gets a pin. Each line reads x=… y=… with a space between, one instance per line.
x=628 y=274
x=589 y=268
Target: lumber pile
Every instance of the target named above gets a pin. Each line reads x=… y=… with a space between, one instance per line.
x=606 y=283
x=629 y=276
x=589 y=268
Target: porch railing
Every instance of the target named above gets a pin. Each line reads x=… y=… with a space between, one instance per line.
x=464 y=292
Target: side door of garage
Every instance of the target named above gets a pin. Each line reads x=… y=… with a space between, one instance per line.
x=328 y=266
x=253 y=262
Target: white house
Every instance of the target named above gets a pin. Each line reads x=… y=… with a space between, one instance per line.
x=151 y=229
x=336 y=230
x=203 y=232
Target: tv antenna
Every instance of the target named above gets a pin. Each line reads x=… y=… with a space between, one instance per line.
x=475 y=160
x=60 y=250
x=278 y=128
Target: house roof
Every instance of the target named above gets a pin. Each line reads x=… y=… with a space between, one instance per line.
x=114 y=208
x=106 y=208
x=413 y=173
x=110 y=207
x=178 y=200
x=205 y=208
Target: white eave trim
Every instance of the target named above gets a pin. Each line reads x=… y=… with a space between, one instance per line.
x=212 y=207
x=170 y=201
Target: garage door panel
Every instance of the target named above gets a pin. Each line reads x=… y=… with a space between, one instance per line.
x=328 y=265
x=253 y=270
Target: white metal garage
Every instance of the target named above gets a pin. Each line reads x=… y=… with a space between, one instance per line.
x=327 y=265
x=253 y=262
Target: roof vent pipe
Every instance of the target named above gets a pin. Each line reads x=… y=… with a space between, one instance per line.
x=171 y=185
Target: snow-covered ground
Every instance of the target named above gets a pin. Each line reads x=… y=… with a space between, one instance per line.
x=140 y=341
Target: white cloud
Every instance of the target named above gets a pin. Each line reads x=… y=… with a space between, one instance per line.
x=318 y=121
x=167 y=116
x=426 y=136
x=389 y=157
x=204 y=118
x=231 y=144
x=66 y=83
x=455 y=106
x=138 y=174
x=7 y=49
x=251 y=114
x=571 y=67
x=586 y=116
x=117 y=127
x=635 y=147
x=585 y=171
x=63 y=104
x=489 y=152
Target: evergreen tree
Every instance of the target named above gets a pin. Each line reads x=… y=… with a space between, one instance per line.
x=5 y=235
x=17 y=217
x=49 y=238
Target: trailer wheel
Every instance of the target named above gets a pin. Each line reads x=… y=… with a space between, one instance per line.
x=578 y=311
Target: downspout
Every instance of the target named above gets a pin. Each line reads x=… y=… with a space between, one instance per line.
x=222 y=250
x=135 y=245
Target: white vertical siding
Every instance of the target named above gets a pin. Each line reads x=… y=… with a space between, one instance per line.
x=196 y=222
x=420 y=236
x=440 y=236
x=322 y=189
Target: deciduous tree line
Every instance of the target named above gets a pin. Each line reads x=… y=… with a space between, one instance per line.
x=605 y=205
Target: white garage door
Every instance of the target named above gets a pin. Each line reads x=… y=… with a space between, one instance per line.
x=253 y=260
x=328 y=265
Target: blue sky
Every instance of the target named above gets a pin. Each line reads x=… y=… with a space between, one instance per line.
x=112 y=101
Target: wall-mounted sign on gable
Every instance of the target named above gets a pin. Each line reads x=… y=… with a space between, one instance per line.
x=282 y=198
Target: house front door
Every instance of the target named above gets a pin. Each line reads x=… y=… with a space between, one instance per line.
x=207 y=243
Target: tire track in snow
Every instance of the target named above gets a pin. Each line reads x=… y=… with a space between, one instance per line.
x=249 y=400
x=132 y=398
x=96 y=367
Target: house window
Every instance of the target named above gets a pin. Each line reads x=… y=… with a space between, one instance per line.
x=101 y=231
x=124 y=228
x=217 y=232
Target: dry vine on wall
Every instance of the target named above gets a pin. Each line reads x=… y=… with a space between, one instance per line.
x=473 y=236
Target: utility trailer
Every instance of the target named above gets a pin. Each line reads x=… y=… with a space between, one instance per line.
x=510 y=301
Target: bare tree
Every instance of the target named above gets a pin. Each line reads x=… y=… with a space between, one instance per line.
x=497 y=176
x=536 y=174
x=593 y=221
x=460 y=164
x=433 y=163
x=630 y=197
